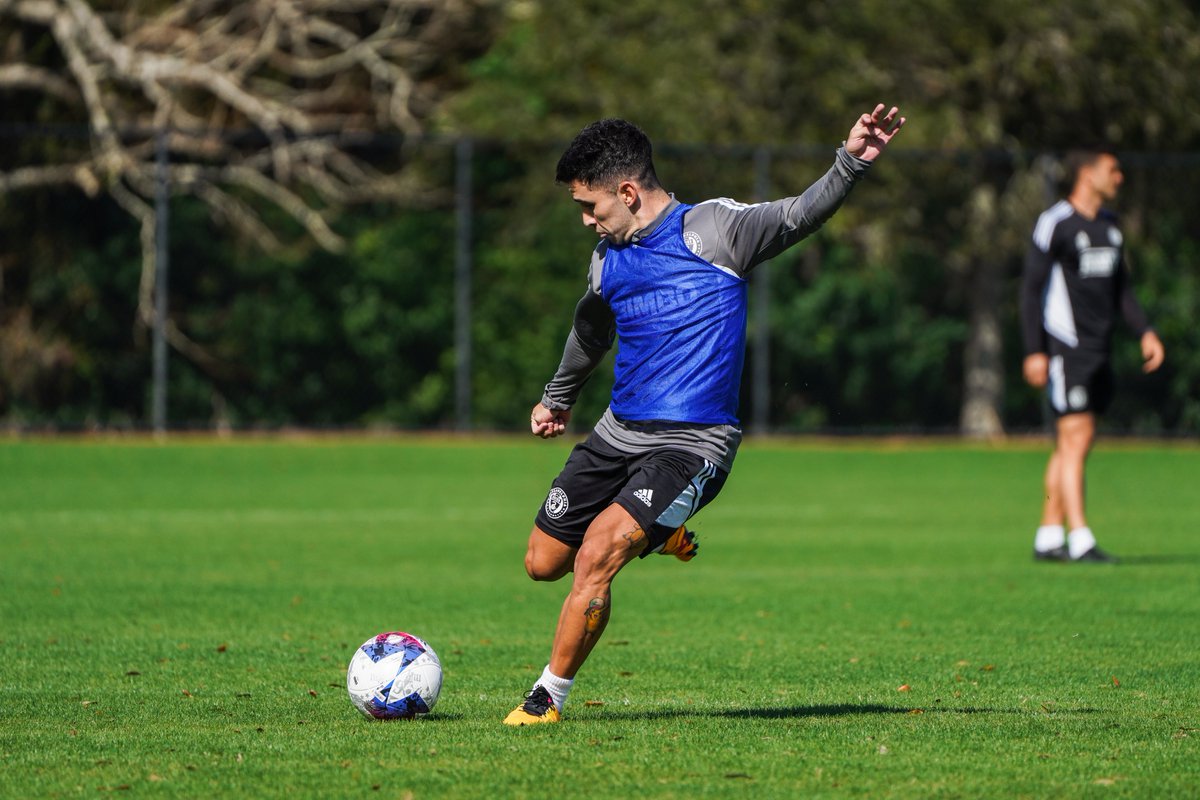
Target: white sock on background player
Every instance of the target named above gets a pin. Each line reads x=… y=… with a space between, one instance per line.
x=1079 y=541
x=1049 y=537
x=558 y=687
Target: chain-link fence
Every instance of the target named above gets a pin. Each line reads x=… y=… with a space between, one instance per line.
x=449 y=310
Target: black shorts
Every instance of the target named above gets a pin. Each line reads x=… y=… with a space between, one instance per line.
x=1080 y=381
x=661 y=490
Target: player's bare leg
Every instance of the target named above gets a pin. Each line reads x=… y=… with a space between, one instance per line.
x=1052 y=507
x=612 y=540
x=1076 y=433
x=546 y=558
x=1050 y=543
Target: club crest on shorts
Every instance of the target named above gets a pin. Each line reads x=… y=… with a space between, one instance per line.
x=556 y=503
x=1077 y=397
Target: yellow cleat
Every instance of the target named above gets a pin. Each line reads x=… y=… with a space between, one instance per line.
x=538 y=708
x=682 y=544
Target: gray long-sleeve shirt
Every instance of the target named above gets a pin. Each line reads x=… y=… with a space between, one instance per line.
x=732 y=236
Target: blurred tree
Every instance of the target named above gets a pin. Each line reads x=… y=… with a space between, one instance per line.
x=265 y=105
x=986 y=88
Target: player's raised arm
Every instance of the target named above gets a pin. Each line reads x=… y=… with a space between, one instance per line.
x=873 y=132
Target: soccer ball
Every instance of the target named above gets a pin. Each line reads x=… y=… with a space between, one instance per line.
x=394 y=676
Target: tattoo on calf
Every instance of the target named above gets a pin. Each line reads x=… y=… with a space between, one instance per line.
x=596 y=614
x=636 y=538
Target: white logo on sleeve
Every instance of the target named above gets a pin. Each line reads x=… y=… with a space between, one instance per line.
x=556 y=503
x=693 y=242
x=645 y=495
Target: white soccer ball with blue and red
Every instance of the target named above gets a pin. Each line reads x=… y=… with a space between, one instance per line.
x=394 y=675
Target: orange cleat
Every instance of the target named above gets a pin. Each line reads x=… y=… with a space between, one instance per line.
x=682 y=544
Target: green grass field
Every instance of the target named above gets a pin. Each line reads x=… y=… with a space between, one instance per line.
x=863 y=620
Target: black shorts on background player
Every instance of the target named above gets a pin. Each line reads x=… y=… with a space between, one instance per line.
x=1080 y=381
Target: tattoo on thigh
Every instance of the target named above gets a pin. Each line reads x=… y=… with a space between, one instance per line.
x=636 y=538
x=596 y=614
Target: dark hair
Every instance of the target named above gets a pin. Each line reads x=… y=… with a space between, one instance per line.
x=1078 y=158
x=607 y=152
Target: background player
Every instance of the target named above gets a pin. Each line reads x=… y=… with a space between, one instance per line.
x=1075 y=279
x=670 y=280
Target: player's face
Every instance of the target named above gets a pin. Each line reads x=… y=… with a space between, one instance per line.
x=1106 y=176
x=605 y=211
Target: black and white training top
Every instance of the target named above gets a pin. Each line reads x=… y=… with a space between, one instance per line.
x=732 y=236
x=1075 y=278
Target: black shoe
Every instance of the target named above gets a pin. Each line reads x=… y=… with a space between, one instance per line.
x=1060 y=553
x=1097 y=556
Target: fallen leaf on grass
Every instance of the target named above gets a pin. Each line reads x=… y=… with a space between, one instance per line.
x=1104 y=781
x=904 y=687
x=186 y=693
x=87 y=703
x=987 y=668
x=917 y=711
x=1115 y=681
x=221 y=648
x=312 y=692
x=593 y=702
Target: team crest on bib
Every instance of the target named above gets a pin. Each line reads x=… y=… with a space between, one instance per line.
x=693 y=242
x=1077 y=397
x=556 y=503
x=1082 y=242
x=1114 y=237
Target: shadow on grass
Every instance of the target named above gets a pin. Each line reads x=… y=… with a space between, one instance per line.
x=842 y=710
x=1161 y=558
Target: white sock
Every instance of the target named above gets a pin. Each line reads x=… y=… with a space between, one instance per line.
x=1079 y=541
x=1049 y=537
x=558 y=687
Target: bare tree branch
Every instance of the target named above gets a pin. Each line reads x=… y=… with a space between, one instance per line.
x=256 y=95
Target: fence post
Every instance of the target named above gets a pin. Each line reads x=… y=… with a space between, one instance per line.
x=760 y=365
x=162 y=197
x=463 y=157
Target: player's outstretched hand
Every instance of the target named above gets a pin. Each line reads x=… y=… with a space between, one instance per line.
x=546 y=423
x=871 y=134
x=1153 y=351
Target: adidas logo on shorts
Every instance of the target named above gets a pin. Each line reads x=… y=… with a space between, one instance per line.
x=645 y=495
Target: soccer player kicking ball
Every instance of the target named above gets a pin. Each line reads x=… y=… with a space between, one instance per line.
x=669 y=279
x=1075 y=279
